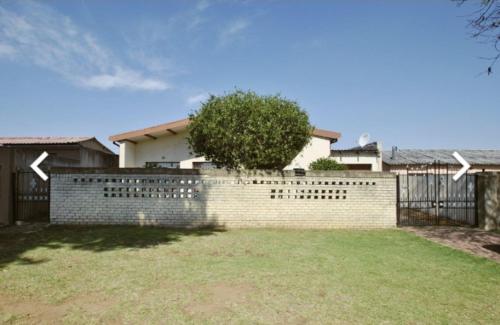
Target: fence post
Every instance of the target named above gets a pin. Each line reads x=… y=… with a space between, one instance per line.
x=49 y=186
x=398 y=220
x=14 y=197
x=476 y=201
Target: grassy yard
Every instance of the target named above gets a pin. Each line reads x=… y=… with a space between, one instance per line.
x=140 y=275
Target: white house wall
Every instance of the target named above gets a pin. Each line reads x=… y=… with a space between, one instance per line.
x=171 y=148
x=188 y=163
x=175 y=148
x=316 y=148
x=359 y=159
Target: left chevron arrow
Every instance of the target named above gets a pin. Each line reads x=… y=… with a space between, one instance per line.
x=37 y=169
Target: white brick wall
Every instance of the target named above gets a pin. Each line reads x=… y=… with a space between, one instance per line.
x=245 y=199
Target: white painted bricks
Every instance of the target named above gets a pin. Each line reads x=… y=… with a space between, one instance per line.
x=245 y=199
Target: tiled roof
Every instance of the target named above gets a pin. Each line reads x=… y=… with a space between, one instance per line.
x=420 y=156
x=326 y=134
x=42 y=140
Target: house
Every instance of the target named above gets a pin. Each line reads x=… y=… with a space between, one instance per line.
x=403 y=160
x=166 y=146
x=368 y=157
x=18 y=185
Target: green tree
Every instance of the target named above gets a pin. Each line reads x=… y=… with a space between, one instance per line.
x=326 y=164
x=243 y=129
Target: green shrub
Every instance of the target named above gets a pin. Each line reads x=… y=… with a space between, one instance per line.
x=326 y=164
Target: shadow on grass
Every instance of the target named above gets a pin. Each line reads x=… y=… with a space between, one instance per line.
x=14 y=241
x=493 y=248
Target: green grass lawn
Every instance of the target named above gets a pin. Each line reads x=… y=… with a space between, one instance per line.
x=142 y=275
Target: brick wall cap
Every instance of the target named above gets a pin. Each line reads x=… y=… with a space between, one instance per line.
x=219 y=172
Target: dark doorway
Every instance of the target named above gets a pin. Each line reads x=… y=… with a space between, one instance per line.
x=359 y=166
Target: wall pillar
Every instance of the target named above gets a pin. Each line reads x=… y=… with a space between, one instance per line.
x=6 y=186
x=127 y=155
x=488 y=200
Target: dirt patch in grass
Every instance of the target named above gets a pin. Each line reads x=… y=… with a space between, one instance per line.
x=42 y=313
x=219 y=297
x=31 y=310
x=93 y=303
x=475 y=241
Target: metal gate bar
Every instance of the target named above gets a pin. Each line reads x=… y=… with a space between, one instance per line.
x=31 y=198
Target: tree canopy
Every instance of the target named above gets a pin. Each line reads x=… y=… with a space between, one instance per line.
x=245 y=130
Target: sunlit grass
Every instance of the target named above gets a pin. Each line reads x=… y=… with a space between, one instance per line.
x=141 y=275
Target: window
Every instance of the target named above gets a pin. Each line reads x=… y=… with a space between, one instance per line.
x=163 y=164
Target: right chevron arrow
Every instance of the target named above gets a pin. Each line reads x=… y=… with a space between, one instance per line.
x=465 y=166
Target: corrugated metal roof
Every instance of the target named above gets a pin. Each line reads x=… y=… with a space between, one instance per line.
x=421 y=156
x=42 y=140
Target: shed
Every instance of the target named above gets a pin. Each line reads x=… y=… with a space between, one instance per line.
x=16 y=178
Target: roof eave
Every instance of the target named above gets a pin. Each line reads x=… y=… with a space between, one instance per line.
x=166 y=128
x=180 y=125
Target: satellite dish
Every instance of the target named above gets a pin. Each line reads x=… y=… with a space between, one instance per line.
x=364 y=139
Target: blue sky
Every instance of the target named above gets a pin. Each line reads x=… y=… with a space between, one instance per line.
x=404 y=71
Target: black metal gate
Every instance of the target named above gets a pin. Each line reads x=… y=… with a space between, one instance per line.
x=31 y=198
x=428 y=195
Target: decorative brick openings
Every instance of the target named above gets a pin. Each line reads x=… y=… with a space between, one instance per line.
x=190 y=198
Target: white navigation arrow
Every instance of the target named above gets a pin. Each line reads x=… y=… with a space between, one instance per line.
x=37 y=162
x=464 y=163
